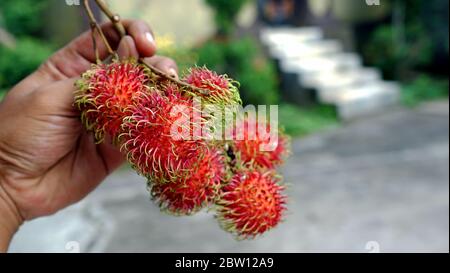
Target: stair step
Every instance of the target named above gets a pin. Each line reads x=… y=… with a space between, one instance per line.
x=307 y=49
x=330 y=85
x=316 y=68
x=367 y=99
x=283 y=35
x=323 y=64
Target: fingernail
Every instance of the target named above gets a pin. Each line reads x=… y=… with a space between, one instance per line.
x=149 y=38
x=173 y=73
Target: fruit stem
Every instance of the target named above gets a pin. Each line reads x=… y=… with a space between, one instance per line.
x=118 y=26
x=96 y=27
x=114 y=18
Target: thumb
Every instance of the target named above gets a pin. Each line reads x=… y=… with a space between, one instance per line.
x=127 y=48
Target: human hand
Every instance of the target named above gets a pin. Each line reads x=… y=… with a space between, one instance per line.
x=47 y=160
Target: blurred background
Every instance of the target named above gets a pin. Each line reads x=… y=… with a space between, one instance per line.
x=362 y=88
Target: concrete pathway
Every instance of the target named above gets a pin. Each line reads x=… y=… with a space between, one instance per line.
x=381 y=183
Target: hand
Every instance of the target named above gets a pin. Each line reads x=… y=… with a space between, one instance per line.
x=47 y=160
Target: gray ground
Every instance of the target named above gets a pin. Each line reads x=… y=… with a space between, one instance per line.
x=381 y=183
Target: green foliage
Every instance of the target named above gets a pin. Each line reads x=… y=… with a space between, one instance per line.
x=16 y=63
x=184 y=57
x=394 y=58
x=418 y=34
x=22 y=17
x=213 y=54
x=424 y=88
x=225 y=13
x=243 y=61
x=437 y=21
x=298 y=121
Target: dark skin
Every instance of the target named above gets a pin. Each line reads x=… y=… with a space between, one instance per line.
x=47 y=160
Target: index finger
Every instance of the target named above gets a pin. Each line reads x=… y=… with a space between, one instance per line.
x=77 y=56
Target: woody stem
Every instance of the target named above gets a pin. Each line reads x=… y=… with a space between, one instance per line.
x=115 y=20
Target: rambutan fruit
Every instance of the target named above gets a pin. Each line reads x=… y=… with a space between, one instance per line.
x=255 y=142
x=152 y=119
x=198 y=189
x=251 y=203
x=105 y=91
x=184 y=175
x=222 y=90
x=152 y=139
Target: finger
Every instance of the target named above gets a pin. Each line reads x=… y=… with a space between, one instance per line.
x=77 y=56
x=127 y=48
x=137 y=29
x=165 y=64
x=143 y=37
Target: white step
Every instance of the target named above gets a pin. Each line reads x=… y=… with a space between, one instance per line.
x=281 y=35
x=308 y=49
x=330 y=85
x=367 y=99
x=322 y=64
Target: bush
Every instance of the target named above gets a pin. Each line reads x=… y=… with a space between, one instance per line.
x=22 y=17
x=16 y=63
x=226 y=11
x=394 y=59
x=298 y=121
x=184 y=57
x=424 y=88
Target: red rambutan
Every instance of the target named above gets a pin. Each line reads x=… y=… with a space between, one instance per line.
x=105 y=91
x=222 y=90
x=251 y=203
x=184 y=174
x=151 y=147
x=254 y=142
x=153 y=121
x=198 y=189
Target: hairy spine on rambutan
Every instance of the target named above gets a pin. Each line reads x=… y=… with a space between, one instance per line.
x=184 y=174
x=251 y=203
x=148 y=140
x=222 y=91
x=105 y=91
x=200 y=187
x=255 y=142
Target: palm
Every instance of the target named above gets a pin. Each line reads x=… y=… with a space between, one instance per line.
x=63 y=163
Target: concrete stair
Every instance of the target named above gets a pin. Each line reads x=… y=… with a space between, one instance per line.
x=313 y=67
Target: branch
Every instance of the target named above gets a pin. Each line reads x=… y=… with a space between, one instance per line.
x=114 y=18
x=172 y=79
x=118 y=26
x=96 y=27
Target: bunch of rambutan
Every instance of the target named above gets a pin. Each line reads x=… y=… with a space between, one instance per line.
x=155 y=121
